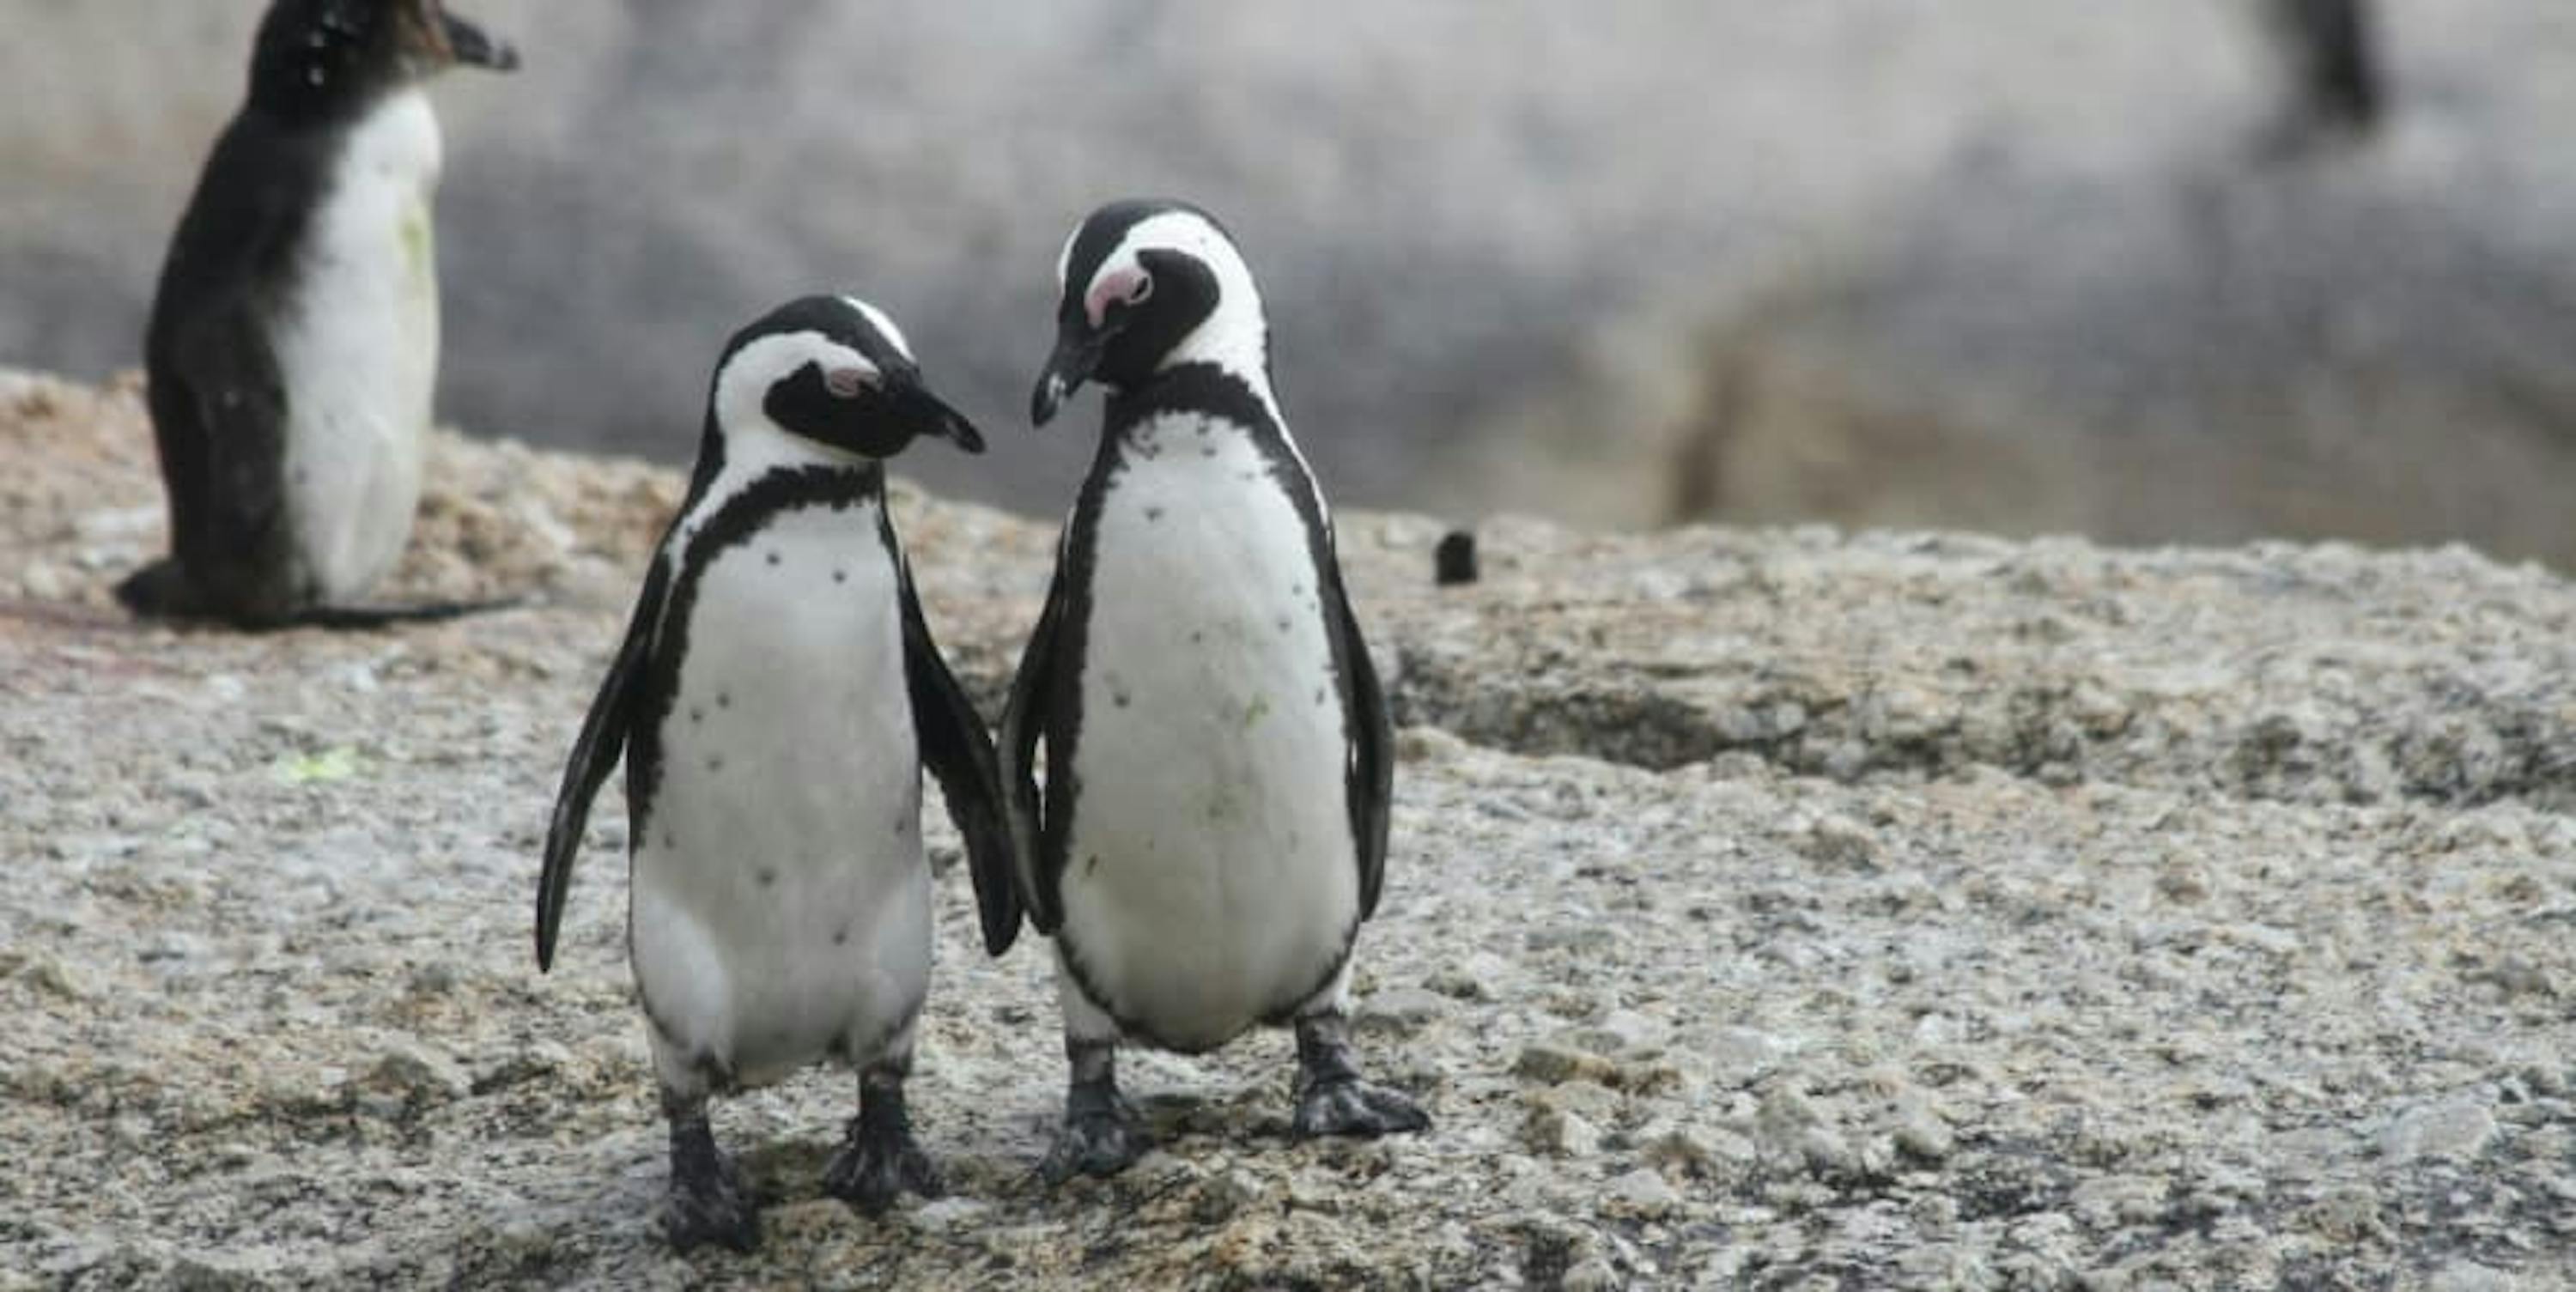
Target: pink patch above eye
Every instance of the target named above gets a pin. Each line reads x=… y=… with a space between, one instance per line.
x=844 y=382
x=1125 y=283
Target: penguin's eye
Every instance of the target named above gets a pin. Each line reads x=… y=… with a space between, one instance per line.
x=845 y=382
x=1142 y=291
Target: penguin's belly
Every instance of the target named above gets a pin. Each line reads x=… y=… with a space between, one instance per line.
x=358 y=351
x=781 y=905
x=1210 y=878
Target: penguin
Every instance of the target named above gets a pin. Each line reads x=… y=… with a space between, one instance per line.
x=293 y=341
x=1212 y=829
x=776 y=698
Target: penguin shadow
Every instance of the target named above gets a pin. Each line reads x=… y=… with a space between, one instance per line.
x=1183 y=1125
x=1246 y=1119
x=88 y=617
x=785 y=1170
x=1203 y=1129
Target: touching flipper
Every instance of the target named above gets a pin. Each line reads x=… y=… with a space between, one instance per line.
x=957 y=751
x=1035 y=845
x=594 y=755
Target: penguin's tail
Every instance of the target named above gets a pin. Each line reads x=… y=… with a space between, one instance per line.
x=159 y=590
x=372 y=618
x=162 y=590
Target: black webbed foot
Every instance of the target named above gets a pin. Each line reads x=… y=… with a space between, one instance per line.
x=1355 y=1107
x=880 y=1159
x=1101 y=1139
x=709 y=1201
x=1100 y=1135
x=1331 y=1098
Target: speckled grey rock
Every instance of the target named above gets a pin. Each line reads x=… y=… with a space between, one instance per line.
x=1772 y=908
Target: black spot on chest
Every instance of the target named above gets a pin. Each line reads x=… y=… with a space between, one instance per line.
x=698 y=542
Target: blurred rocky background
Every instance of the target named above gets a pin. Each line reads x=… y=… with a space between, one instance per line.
x=2193 y=270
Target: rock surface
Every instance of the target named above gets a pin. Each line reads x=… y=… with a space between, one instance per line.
x=1772 y=908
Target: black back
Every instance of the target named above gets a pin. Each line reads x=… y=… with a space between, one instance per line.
x=218 y=399
x=219 y=402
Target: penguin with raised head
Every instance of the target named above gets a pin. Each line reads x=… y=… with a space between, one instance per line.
x=294 y=338
x=1213 y=825
x=776 y=699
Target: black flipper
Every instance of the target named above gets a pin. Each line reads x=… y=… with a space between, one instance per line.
x=956 y=749
x=219 y=410
x=1024 y=720
x=594 y=754
x=1372 y=737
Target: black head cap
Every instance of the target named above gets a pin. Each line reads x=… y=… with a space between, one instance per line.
x=330 y=58
x=1137 y=281
x=834 y=370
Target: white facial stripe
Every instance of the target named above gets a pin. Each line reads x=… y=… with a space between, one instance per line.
x=1064 y=258
x=742 y=390
x=884 y=324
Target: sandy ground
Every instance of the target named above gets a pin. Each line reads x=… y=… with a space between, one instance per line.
x=1775 y=909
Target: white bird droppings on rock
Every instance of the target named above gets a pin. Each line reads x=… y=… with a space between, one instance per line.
x=2454 y=1129
x=1642 y=1192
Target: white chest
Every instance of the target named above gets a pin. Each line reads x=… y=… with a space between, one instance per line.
x=358 y=350
x=1211 y=865
x=781 y=902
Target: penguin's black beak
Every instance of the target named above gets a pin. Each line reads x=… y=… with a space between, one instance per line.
x=927 y=414
x=1077 y=355
x=471 y=45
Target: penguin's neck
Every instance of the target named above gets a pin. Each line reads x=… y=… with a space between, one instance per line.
x=1227 y=392
x=309 y=89
x=1205 y=402
x=761 y=452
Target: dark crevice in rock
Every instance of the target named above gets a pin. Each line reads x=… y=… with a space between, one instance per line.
x=2454 y=748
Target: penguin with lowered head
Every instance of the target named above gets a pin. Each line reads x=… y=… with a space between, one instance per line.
x=1212 y=826
x=776 y=699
